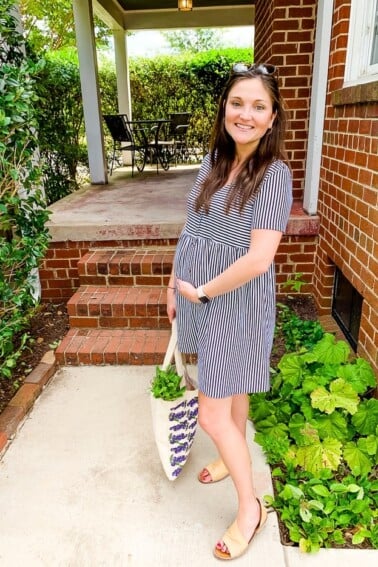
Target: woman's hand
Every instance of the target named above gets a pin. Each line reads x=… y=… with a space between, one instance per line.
x=171 y=304
x=187 y=290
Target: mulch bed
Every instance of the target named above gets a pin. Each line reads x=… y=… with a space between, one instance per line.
x=47 y=327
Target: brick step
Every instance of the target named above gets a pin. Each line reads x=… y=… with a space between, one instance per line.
x=113 y=346
x=129 y=267
x=118 y=307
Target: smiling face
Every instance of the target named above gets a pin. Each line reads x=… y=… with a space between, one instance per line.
x=248 y=114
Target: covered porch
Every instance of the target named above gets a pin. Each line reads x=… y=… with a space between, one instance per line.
x=111 y=256
x=146 y=206
x=141 y=212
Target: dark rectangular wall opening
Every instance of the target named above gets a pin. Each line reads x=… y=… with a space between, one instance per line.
x=346 y=308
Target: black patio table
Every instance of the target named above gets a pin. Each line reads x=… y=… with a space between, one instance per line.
x=150 y=135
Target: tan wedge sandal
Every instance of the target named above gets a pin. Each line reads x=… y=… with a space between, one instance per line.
x=217 y=471
x=235 y=541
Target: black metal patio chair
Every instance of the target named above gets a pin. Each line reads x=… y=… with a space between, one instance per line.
x=179 y=124
x=161 y=144
x=125 y=138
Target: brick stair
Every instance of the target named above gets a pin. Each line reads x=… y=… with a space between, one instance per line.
x=118 y=314
x=118 y=307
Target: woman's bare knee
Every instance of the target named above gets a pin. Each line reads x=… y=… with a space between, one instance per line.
x=213 y=415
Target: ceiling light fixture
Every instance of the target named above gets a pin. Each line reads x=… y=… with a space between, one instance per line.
x=185 y=5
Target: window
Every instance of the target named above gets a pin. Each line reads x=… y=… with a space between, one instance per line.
x=346 y=308
x=362 y=51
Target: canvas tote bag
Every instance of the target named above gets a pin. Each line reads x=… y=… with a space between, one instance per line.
x=174 y=422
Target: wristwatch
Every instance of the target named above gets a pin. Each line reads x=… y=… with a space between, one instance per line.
x=202 y=295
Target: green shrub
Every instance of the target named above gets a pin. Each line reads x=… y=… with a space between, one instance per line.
x=60 y=124
x=318 y=427
x=296 y=332
x=181 y=83
x=23 y=237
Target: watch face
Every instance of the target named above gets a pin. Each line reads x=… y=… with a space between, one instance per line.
x=204 y=299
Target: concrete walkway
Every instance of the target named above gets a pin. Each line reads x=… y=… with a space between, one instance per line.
x=81 y=486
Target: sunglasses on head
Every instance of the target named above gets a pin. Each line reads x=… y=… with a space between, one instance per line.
x=262 y=69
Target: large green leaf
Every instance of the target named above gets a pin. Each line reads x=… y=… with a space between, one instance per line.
x=368 y=445
x=330 y=351
x=319 y=455
x=358 y=374
x=260 y=407
x=366 y=418
x=310 y=434
x=322 y=376
x=357 y=460
x=296 y=425
x=332 y=425
x=291 y=366
x=290 y=491
x=341 y=395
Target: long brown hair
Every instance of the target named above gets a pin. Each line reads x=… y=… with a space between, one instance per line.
x=222 y=146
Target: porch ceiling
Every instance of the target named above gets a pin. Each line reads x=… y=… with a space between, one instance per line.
x=164 y=14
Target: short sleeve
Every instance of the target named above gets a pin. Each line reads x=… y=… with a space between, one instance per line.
x=272 y=205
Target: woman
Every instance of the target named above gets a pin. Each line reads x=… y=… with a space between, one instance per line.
x=222 y=287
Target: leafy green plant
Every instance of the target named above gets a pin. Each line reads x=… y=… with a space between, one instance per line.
x=297 y=332
x=318 y=427
x=59 y=114
x=326 y=512
x=23 y=236
x=295 y=283
x=166 y=384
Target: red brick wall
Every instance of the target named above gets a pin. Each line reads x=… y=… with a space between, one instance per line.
x=348 y=197
x=60 y=279
x=59 y=274
x=285 y=33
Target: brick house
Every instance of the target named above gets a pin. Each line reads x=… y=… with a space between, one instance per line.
x=345 y=276
x=327 y=55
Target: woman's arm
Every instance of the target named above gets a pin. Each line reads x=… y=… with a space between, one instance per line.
x=256 y=261
x=171 y=297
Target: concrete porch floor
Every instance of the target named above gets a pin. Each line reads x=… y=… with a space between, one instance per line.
x=146 y=206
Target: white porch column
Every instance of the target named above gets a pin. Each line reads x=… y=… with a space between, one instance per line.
x=85 y=40
x=122 y=73
x=317 y=110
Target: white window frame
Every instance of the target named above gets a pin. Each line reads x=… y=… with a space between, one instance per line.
x=360 y=43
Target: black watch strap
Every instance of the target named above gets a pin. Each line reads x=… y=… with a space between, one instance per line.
x=202 y=295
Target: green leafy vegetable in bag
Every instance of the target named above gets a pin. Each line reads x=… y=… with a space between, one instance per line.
x=166 y=384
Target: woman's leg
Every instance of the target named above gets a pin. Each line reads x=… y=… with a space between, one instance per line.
x=239 y=412
x=224 y=420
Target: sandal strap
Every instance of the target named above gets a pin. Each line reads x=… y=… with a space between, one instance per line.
x=217 y=470
x=235 y=541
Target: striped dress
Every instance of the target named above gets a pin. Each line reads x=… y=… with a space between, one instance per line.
x=233 y=333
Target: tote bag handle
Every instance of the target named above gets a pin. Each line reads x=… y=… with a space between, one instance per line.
x=174 y=353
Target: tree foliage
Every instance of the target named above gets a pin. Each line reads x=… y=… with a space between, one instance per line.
x=23 y=236
x=194 y=40
x=50 y=26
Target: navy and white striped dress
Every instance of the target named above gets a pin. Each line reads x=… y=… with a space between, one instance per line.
x=233 y=333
